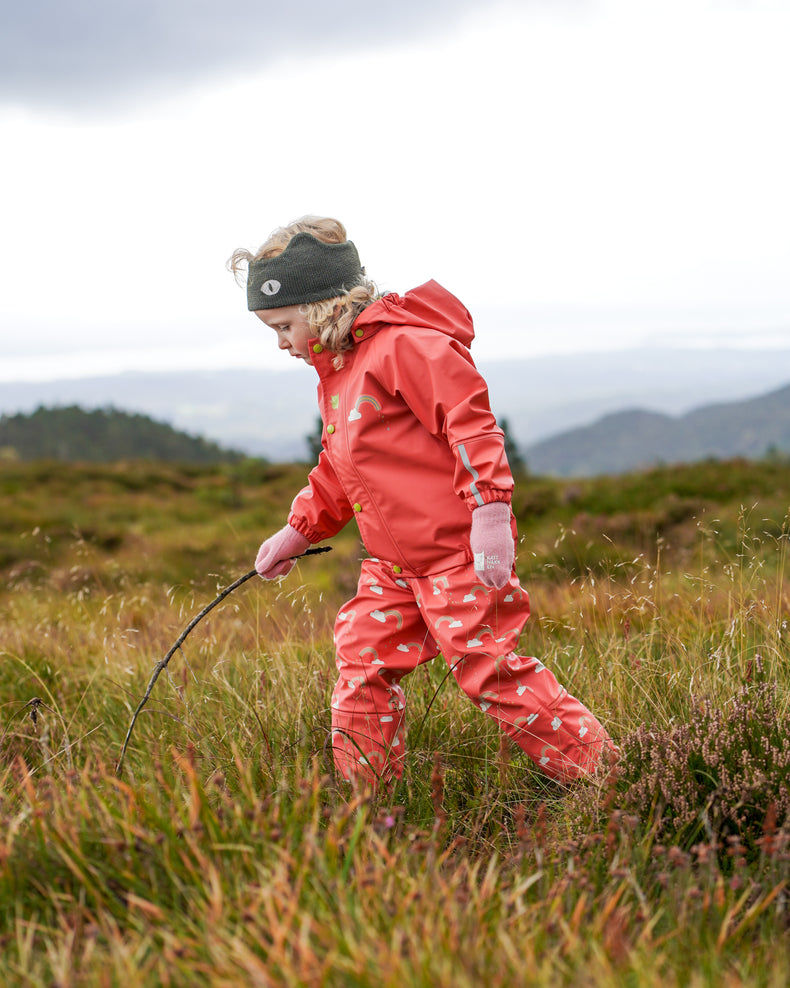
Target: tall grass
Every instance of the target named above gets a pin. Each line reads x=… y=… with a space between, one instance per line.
x=227 y=852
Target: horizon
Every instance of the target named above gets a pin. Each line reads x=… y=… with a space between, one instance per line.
x=101 y=363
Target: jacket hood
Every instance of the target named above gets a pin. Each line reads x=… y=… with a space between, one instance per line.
x=429 y=306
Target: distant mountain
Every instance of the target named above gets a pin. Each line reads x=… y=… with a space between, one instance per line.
x=632 y=439
x=270 y=412
x=101 y=435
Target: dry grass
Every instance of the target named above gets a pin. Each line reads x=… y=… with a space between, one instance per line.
x=227 y=854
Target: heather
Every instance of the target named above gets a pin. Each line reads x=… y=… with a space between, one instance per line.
x=226 y=853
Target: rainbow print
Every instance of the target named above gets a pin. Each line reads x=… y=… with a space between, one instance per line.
x=355 y=414
x=382 y=616
x=449 y=620
x=472 y=595
x=375 y=660
x=477 y=641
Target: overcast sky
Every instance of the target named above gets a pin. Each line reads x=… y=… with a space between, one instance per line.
x=583 y=174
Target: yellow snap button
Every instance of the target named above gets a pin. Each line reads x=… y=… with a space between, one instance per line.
x=357 y=506
x=330 y=429
x=359 y=332
x=397 y=569
x=317 y=348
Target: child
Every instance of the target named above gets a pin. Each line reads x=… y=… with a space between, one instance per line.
x=412 y=452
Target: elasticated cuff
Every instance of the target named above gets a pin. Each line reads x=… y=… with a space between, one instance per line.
x=301 y=526
x=488 y=497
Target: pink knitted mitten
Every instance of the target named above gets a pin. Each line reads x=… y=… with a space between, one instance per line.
x=274 y=556
x=492 y=543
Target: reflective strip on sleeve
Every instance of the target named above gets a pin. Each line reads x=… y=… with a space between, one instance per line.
x=475 y=475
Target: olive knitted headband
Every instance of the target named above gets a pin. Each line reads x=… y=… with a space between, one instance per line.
x=308 y=270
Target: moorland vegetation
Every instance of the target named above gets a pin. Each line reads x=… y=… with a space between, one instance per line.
x=226 y=853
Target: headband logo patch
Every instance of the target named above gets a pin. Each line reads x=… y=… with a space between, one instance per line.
x=270 y=287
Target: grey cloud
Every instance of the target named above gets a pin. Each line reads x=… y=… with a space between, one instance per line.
x=86 y=54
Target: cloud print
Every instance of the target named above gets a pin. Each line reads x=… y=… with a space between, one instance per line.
x=73 y=54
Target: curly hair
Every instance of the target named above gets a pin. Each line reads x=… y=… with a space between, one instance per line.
x=330 y=319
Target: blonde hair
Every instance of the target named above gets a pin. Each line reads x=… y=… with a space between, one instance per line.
x=330 y=319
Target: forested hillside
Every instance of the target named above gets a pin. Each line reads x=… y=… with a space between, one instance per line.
x=100 y=436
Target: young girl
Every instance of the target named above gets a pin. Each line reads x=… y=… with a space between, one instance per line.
x=412 y=452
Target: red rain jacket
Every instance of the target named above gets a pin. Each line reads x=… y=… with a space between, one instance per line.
x=410 y=444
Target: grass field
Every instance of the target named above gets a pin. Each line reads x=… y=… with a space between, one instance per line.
x=226 y=853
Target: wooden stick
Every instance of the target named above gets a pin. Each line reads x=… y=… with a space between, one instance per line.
x=162 y=664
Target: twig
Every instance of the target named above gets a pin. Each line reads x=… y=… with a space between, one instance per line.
x=162 y=664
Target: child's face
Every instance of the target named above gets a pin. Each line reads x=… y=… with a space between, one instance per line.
x=293 y=330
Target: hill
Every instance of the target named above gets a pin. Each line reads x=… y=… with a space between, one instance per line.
x=101 y=435
x=636 y=438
